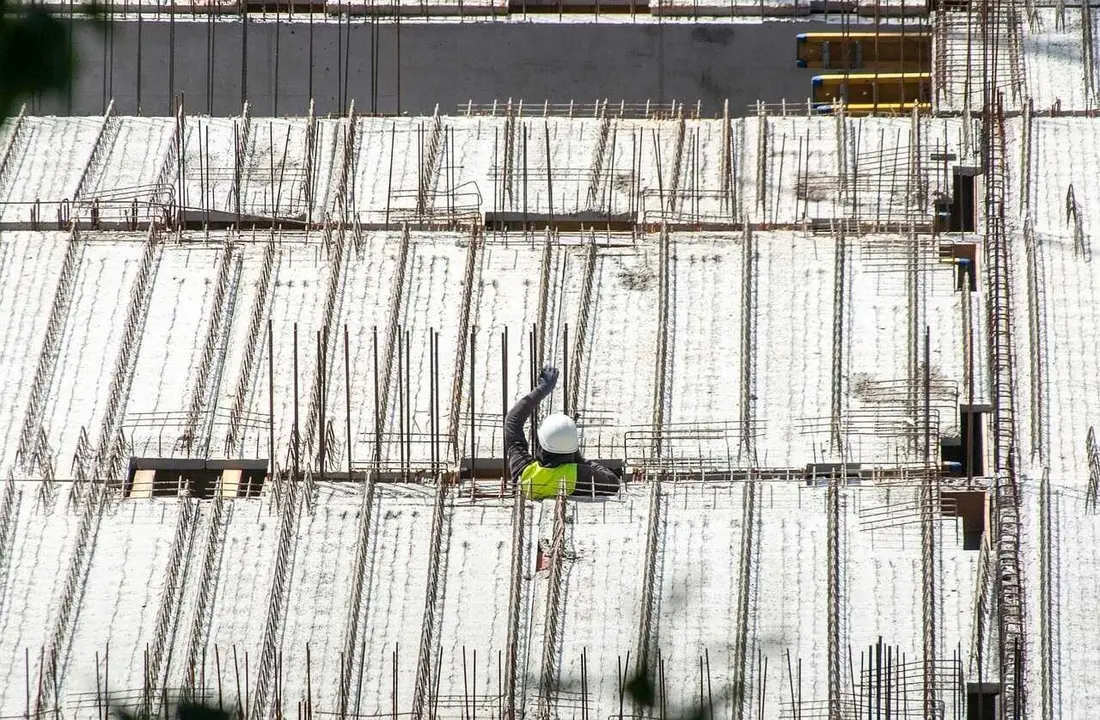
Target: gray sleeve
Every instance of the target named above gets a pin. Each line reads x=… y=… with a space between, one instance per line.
x=518 y=451
x=594 y=479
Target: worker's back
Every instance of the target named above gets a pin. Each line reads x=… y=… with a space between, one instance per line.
x=539 y=482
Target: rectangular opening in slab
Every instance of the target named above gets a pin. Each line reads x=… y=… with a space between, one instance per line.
x=819 y=474
x=238 y=483
x=972 y=439
x=964 y=454
x=194 y=478
x=141 y=484
x=564 y=222
x=970 y=507
x=872 y=88
x=964 y=209
x=577 y=7
x=981 y=700
x=965 y=258
x=275 y=6
x=197 y=219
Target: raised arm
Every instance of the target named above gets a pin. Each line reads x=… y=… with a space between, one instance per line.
x=515 y=442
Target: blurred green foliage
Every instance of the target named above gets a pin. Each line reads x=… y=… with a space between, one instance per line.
x=643 y=691
x=36 y=54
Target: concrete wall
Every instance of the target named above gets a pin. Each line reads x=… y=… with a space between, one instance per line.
x=213 y=64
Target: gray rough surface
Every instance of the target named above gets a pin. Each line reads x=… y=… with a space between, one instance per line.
x=444 y=63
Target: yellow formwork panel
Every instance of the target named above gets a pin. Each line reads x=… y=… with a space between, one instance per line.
x=898 y=52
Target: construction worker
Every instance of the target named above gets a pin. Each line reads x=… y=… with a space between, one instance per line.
x=557 y=461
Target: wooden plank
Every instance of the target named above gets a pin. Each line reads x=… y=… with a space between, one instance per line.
x=230 y=483
x=142 y=487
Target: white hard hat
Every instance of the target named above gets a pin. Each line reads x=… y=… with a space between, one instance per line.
x=558 y=434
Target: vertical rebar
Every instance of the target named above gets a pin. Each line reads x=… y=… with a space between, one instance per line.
x=565 y=368
x=408 y=396
x=377 y=460
x=322 y=366
x=662 y=368
x=747 y=444
x=504 y=402
x=433 y=391
x=347 y=398
x=834 y=590
x=646 y=644
x=516 y=579
x=270 y=400
x=549 y=174
x=297 y=436
x=403 y=403
x=745 y=594
x=472 y=414
x=838 y=370
x=551 y=650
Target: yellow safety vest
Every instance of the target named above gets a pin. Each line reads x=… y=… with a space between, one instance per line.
x=539 y=482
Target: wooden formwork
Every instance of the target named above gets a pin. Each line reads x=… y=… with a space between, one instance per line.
x=873 y=88
x=894 y=51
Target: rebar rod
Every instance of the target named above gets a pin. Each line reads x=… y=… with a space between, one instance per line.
x=101 y=150
x=551 y=650
x=677 y=168
x=466 y=310
x=749 y=311
x=1048 y=626
x=833 y=592
x=220 y=512
x=646 y=642
x=517 y=576
x=746 y=598
x=1009 y=580
x=584 y=319
x=432 y=601
x=596 y=173
x=200 y=391
x=108 y=454
x=245 y=380
x=840 y=281
x=175 y=578
x=398 y=297
x=1037 y=341
x=929 y=513
x=662 y=369
x=51 y=346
